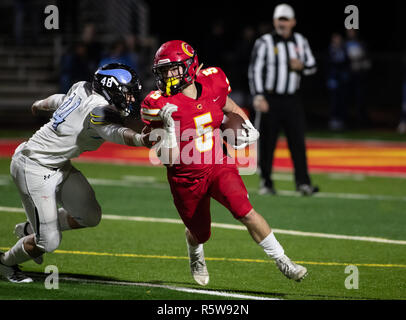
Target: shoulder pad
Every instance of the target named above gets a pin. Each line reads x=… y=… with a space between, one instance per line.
x=218 y=78
x=150 y=108
x=105 y=115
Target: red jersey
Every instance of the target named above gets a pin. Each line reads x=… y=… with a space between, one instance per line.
x=197 y=123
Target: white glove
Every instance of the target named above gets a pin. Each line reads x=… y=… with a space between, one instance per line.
x=248 y=136
x=169 y=141
x=166 y=115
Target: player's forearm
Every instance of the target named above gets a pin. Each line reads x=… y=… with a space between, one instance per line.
x=48 y=104
x=132 y=138
x=231 y=106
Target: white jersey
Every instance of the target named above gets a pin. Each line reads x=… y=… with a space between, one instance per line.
x=70 y=132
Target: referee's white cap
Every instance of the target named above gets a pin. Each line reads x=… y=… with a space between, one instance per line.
x=283 y=10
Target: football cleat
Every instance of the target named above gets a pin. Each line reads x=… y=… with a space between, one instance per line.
x=198 y=267
x=265 y=190
x=199 y=272
x=13 y=273
x=290 y=269
x=307 y=189
x=24 y=229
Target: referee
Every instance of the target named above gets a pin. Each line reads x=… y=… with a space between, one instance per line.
x=278 y=61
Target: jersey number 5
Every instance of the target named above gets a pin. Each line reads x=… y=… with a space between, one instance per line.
x=204 y=140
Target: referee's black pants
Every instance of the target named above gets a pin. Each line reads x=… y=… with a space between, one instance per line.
x=285 y=113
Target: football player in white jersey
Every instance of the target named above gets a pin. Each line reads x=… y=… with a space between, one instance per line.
x=88 y=115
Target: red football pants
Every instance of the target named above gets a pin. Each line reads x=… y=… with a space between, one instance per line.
x=192 y=197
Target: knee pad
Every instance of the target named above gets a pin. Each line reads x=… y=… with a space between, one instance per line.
x=48 y=241
x=202 y=237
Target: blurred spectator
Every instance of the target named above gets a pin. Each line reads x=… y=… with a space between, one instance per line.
x=119 y=53
x=360 y=64
x=26 y=22
x=75 y=66
x=93 y=46
x=132 y=47
x=338 y=76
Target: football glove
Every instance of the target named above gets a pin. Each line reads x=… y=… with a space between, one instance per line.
x=169 y=141
x=248 y=136
x=166 y=115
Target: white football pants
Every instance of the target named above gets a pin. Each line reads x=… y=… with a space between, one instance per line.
x=42 y=189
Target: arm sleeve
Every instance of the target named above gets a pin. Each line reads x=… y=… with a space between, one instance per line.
x=256 y=67
x=111 y=132
x=309 y=62
x=108 y=124
x=53 y=102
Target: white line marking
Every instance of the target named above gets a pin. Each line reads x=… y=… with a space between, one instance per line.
x=181 y=289
x=351 y=196
x=142 y=181
x=239 y=227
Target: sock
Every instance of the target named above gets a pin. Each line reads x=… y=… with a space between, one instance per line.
x=63 y=219
x=16 y=254
x=194 y=250
x=272 y=247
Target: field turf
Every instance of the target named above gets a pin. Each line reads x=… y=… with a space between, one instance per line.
x=140 y=259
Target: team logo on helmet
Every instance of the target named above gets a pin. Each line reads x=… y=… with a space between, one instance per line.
x=187 y=49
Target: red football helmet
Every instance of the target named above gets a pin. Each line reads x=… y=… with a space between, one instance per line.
x=175 y=66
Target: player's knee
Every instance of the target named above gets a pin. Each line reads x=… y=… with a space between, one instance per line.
x=50 y=241
x=92 y=217
x=203 y=237
x=247 y=217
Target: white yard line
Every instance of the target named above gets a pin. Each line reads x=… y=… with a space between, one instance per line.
x=240 y=227
x=173 y=288
x=142 y=181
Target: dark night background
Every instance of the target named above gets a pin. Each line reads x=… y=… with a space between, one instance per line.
x=381 y=26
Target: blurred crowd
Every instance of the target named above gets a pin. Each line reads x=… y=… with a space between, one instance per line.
x=345 y=62
x=81 y=58
x=347 y=66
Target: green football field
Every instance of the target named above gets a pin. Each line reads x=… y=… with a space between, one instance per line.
x=356 y=224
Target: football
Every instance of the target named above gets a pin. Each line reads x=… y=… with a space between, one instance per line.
x=232 y=128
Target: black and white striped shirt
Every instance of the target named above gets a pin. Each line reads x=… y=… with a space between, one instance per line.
x=269 y=70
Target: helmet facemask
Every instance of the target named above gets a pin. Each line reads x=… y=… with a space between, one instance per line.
x=172 y=77
x=130 y=100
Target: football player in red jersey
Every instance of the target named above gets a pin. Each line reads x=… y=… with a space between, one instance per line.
x=189 y=106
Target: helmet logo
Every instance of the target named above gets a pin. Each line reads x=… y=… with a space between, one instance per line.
x=187 y=49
